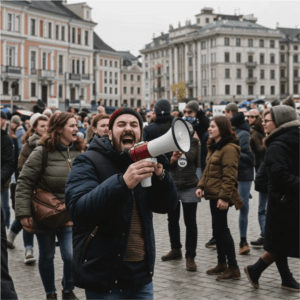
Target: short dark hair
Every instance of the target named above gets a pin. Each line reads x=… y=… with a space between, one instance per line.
x=98 y=118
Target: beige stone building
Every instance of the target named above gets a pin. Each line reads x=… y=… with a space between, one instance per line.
x=219 y=57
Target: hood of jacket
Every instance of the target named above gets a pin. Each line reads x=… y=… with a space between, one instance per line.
x=224 y=141
x=163 y=119
x=238 y=121
x=32 y=140
x=287 y=133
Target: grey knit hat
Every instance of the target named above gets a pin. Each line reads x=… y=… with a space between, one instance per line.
x=283 y=114
x=232 y=106
x=16 y=119
x=289 y=101
x=162 y=107
x=193 y=104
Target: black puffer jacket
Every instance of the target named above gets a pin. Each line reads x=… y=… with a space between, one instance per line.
x=246 y=162
x=7 y=157
x=186 y=177
x=282 y=167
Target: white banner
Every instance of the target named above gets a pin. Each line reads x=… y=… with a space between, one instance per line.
x=218 y=110
x=52 y=103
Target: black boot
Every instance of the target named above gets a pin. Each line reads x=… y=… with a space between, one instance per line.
x=253 y=272
x=288 y=281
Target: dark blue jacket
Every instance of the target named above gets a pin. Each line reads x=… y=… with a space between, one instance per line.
x=96 y=195
x=246 y=162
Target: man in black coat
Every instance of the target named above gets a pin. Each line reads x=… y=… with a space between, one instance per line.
x=113 y=236
x=7 y=169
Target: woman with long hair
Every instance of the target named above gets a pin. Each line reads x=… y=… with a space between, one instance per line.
x=219 y=184
x=281 y=171
x=62 y=145
x=38 y=126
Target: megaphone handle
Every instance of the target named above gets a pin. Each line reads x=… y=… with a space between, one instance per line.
x=140 y=151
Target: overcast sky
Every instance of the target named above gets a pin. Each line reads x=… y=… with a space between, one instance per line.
x=129 y=25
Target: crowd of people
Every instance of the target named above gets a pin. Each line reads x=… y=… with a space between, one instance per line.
x=105 y=231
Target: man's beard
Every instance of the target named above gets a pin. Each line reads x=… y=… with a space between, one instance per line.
x=117 y=144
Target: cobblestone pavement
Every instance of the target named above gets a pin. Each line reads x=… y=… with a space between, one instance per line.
x=171 y=280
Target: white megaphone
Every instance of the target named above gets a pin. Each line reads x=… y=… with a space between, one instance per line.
x=178 y=138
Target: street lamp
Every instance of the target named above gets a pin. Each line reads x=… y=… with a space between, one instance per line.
x=13 y=87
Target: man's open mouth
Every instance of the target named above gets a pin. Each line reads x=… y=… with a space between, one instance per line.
x=127 y=141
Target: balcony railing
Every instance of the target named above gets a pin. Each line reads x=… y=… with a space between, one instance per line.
x=159 y=89
x=251 y=79
x=190 y=83
x=74 y=76
x=11 y=69
x=33 y=71
x=283 y=79
x=47 y=73
x=85 y=76
x=296 y=79
x=251 y=64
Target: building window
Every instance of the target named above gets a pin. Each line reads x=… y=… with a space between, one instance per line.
x=213 y=73
x=60 y=64
x=203 y=45
x=79 y=36
x=86 y=38
x=250 y=90
x=212 y=43
x=116 y=64
x=10 y=22
x=239 y=90
x=281 y=47
x=227 y=89
x=5 y=87
x=83 y=66
x=272 y=74
x=32 y=27
x=131 y=77
x=78 y=66
x=116 y=91
x=105 y=90
x=226 y=42
x=124 y=90
x=60 y=91
x=57 y=31
x=105 y=63
x=227 y=73
x=44 y=61
x=139 y=90
x=295 y=58
x=203 y=91
x=227 y=56
x=296 y=89
x=238 y=42
x=73 y=35
x=282 y=73
x=250 y=42
x=33 y=60
x=33 y=89
x=203 y=59
x=63 y=33
x=238 y=73
x=116 y=103
x=272 y=90
x=206 y=20
x=282 y=58
x=238 y=57
x=50 y=30
x=213 y=90
x=110 y=63
x=295 y=73
x=282 y=88
x=250 y=58
x=272 y=59
x=262 y=74
x=261 y=58
x=146 y=75
x=250 y=73
x=295 y=47
x=87 y=14
x=125 y=77
x=132 y=90
x=15 y=91
x=110 y=90
x=272 y=44
x=262 y=89
x=261 y=43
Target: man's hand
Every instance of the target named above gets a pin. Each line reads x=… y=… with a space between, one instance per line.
x=26 y=221
x=199 y=193
x=222 y=205
x=158 y=169
x=140 y=170
x=175 y=156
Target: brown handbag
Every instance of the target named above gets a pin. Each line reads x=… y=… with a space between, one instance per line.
x=47 y=210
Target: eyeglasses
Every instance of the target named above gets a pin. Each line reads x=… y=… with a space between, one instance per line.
x=187 y=111
x=266 y=121
x=251 y=117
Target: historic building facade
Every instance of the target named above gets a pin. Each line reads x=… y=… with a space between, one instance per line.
x=47 y=50
x=220 y=57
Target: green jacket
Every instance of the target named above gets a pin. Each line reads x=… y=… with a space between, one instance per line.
x=55 y=176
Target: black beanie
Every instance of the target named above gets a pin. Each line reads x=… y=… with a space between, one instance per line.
x=162 y=107
x=123 y=111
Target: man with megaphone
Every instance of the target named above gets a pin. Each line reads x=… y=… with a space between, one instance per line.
x=113 y=236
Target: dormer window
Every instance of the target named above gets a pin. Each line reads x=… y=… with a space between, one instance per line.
x=87 y=14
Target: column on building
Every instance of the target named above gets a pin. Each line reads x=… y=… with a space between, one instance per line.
x=199 y=68
x=290 y=75
x=194 y=70
x=186 y=65
x=97 y=72
x=171 y=72
x=21 y=83
x=176 y=64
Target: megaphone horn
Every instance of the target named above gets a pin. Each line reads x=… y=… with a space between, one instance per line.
x=177 y=138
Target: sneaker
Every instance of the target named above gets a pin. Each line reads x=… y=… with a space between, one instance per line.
x=230 y=274
x=291 y=285
x=249 y=272
x=259 y=243
x=244 y=248
x=211 y=244
x=190 y=264
x=51 y=296
x=29 y=258
x=68 y=295
x=173 y=254
x=219 y=269
x=10 y=239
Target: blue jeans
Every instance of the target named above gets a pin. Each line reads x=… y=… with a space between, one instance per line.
x=5 y=207
x=262 y=210
x=16 y=227
x=142 y=292
x=46 y=243
x=244 y=191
